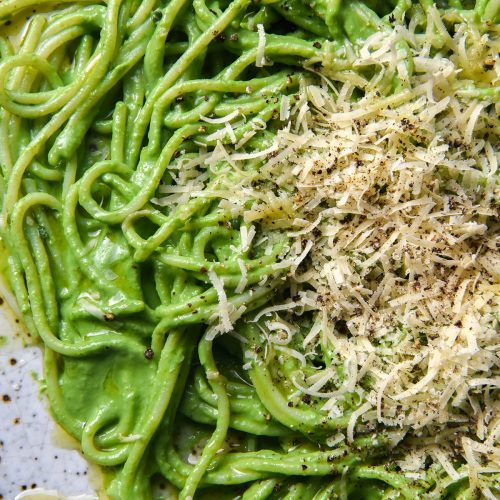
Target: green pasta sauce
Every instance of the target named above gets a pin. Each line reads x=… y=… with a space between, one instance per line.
x=97 y=101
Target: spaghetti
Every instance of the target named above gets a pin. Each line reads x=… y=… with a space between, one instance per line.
x=137 y=274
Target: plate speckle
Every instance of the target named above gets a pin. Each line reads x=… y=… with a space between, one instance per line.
x=29 y=457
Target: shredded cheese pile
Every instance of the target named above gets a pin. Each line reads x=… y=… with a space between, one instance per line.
x=391 y=201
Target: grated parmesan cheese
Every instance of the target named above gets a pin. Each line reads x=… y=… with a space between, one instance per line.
x=225 y=324
x=260 y=59
x=243 y=280
x=391 y=205
x=354 y=416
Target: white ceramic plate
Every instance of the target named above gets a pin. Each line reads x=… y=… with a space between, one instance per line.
x=30 y=458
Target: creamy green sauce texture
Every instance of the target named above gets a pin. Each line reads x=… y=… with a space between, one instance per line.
x=97 y=101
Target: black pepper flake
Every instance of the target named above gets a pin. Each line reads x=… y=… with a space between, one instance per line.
x=489 y=63
x=203 y=270
x=317 y=45
x=306 y=398
x=148 y=353
x=6 y=398
x=304 y=467
x=13 y=361
x=109 y=316
x=157 y=15
x=16 y=420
